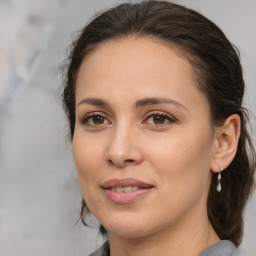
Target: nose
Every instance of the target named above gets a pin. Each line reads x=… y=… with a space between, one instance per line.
x=124 y=148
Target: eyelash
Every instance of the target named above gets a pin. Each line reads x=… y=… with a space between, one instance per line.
x=86 y=118
x=170 y=118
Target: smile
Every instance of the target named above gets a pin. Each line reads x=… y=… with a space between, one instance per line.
x=125 y=191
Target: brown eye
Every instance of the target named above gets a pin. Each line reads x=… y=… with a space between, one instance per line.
x=94 y=120
x=98 y=119
x=159 y=119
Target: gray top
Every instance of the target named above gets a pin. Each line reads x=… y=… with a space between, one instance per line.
x=222 y=248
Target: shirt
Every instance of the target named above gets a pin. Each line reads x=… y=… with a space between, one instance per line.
x=221 y=248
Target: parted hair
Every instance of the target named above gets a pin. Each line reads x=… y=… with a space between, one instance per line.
x=217 y=71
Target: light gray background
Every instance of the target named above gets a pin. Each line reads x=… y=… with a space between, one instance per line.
x=39 y=191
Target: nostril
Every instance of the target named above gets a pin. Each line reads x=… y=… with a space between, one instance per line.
x=110 y=161
x=120 y=164
x=129 y=160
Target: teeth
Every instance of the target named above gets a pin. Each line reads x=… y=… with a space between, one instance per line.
x=128 y=189
x=119 y=189
x=125 y=189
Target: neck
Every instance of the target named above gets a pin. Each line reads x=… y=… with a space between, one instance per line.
x=188 y=237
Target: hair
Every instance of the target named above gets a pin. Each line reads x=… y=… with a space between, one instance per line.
x=218 y=74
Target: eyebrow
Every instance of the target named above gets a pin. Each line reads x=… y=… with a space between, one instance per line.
x=138 y=104
x=155 y=101
x=94 y=102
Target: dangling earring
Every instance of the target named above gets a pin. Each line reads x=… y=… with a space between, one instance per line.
x=219 y=184
x=218 y=188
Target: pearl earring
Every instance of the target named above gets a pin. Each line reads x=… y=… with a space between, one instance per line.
x=219 y=184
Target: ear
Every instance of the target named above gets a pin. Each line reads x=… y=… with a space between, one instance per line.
x=226 y=142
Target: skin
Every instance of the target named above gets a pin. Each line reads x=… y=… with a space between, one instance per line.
x=178 y=155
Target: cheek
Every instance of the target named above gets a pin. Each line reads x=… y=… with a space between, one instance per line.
x=180 y=150
x=86 y=154
x=182 y=162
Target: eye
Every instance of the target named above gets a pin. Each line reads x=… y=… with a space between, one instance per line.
x=159 y=118
x=94 y=119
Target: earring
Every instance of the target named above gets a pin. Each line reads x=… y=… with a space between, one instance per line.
x=219 y=184
x=218 y=188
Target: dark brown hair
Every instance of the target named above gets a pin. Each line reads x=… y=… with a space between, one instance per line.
x=218 y=74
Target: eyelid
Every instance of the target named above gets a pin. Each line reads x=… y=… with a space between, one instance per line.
x=148 y=115
x=159 y=112
x=91 y=114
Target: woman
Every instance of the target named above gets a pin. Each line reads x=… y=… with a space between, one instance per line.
x=153 y=95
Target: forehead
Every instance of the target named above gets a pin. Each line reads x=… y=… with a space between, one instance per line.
x=137 y=56
x=136 y=67
x=144 y=53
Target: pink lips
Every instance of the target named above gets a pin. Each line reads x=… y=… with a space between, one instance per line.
x=133 y=190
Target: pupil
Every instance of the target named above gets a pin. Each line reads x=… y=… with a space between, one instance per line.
x=98 y=120
x=159 y=119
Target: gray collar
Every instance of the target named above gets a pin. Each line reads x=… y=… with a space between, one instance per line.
x=221 y=248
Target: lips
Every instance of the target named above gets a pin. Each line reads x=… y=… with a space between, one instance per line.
x=123 y=191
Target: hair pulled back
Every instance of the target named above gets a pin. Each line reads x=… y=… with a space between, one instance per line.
x=218 y=73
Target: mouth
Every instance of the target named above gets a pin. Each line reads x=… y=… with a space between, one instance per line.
x=125 y=191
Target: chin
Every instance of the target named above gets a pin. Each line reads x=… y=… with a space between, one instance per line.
x=127 y=232
x=126 y=226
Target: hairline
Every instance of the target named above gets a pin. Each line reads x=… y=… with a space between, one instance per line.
x=180 y=50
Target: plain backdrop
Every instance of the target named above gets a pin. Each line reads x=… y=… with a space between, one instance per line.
x=39 y=191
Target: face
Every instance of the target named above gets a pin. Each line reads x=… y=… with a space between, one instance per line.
x=143 y=143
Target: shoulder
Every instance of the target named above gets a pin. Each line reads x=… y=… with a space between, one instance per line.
x=222 y=248
x=102 y=251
